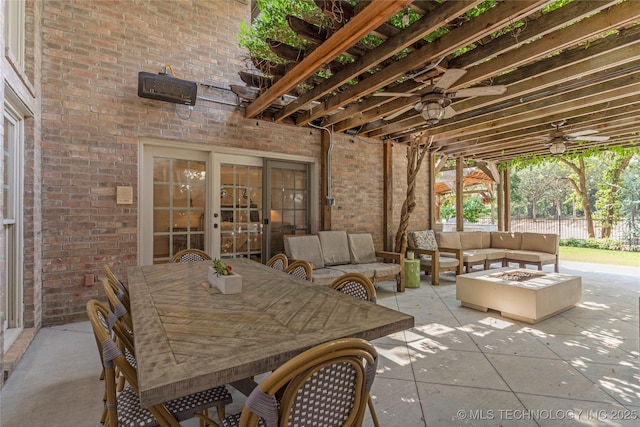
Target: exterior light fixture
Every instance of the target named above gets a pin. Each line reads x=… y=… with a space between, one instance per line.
x=557 y=148
x=433 y=110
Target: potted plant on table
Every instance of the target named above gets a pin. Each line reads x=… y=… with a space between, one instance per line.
x=222 y=277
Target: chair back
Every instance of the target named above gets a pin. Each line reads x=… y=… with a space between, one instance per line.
x=326 y=385
x=191 y=255
x=116 y=303
x=300 y=269
x=106 y=327
x=279 y=261
x=356 y=285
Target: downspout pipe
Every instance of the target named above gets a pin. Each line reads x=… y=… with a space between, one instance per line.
x=330 y=201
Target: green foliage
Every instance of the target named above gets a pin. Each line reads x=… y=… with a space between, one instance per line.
x=271 y=23
x=472 y=209
x=605 y=244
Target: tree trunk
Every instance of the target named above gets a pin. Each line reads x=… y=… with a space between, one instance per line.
x=580 y=188
x=610 y=199
x=415 y=154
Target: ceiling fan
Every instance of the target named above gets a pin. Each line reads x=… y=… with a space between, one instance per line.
x=436 y=104
x=557 y=139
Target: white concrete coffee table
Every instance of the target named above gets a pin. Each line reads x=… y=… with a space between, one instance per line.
x=526 y=295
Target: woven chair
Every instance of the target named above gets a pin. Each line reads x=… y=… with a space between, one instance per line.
x=114 y=278
x=279 y=261
x=357 y=285
x=327 y=385
x=117 y=304
x=300 y=269
x=124 y=407
x=191 y=255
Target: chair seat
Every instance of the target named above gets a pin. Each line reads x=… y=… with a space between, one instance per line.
x=234 y=421
x=445 y=262
x=130 y=413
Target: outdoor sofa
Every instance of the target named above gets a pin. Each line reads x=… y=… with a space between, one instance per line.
x=334 y=253
x=486 y=248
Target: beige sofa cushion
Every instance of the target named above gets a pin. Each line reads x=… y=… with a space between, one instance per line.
x=470 y=239
x=539 y=242
x=505 y=240
x=306 y=248
x=361 y=248
x=335 y=247
x=486 y=239
x=531 y=256
x=448 y=239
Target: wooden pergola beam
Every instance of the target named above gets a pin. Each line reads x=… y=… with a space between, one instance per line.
x=371 y=17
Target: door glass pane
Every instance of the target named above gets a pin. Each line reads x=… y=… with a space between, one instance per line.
x=178 y=206
x=289 y=205
x=240 y=209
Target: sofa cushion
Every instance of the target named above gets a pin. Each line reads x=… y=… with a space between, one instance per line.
x=470 y=239
x=366 y=269
x=306 y=248
x=473 y=255
x=424 y=239
x=491 y=253
x=385 y=269
x=361 y=249
x=505 y=240
x=530 y=256
x=335 y=247
x=325 y=276
x=539 y=242
x=486 y=239
x=445 y=262
x=448 y=239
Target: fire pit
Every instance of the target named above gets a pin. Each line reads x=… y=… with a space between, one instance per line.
x=526 y=295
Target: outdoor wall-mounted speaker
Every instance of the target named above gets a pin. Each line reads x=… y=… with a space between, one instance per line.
x=165 y=87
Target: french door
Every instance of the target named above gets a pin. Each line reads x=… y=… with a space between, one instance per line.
x=223 y=204
x=238 y=210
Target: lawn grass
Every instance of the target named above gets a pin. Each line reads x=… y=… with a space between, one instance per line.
x=599 y=256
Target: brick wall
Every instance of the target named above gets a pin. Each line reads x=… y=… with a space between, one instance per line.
x=92 y=122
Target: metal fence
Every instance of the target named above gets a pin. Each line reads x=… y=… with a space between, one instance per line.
x=570 y=227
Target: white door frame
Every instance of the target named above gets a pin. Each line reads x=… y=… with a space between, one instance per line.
x=145 y=255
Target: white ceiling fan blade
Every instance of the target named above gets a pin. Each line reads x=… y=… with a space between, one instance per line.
x=449 y=78
x=478 y=91
x=449 y=112
x=591 y=138
x=581 y=133
x=397 y=94
x=398 y=113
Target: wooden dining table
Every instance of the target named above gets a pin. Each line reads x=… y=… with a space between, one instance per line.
x=189 y=337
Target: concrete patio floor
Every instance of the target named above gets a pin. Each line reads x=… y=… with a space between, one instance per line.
x=457 y=366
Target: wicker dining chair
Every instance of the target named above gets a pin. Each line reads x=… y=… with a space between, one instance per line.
x=124 y=407
x=117 y=304
x=191 y=255
x=326 y=385
x=110 y=275
x=279 y=261
x=300 y=269
x=357 y=285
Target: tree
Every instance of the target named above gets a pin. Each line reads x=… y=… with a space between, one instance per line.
x=607 y=202
x=415 y=155
x=578 y=182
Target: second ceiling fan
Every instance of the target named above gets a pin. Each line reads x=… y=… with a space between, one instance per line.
x=435 y=104
x=557 y=139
